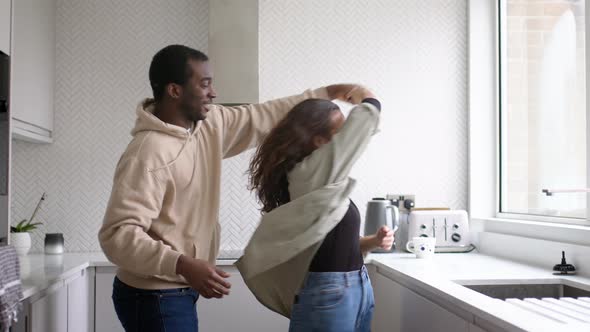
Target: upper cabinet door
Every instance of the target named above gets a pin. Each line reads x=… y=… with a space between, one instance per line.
x=5 y=26
x=33 y=69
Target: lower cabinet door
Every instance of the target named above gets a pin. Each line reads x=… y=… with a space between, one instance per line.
x=398 y=308
x=240 y=311
x=81 y=301
x=49 y=313
x=105 y=317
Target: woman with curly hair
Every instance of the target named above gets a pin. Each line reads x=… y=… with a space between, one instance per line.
x=305 y=260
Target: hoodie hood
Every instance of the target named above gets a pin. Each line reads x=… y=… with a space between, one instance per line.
x=147 y=121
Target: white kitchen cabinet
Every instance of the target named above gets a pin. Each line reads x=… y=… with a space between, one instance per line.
x=5 y=26
x=49 y=312
x=475 y=328
x=106 y=318
x=81 y=301
x=4 y=217
x=398 y=308
x=67 y=306
x=32 y=69
x=240 y=311
x=387 y=314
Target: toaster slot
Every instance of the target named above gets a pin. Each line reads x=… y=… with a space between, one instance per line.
x=433 y=228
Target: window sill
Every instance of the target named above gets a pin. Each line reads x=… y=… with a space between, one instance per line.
x=550 y=231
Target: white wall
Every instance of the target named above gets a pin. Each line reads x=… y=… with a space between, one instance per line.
x=413 y=53
x=103 y=53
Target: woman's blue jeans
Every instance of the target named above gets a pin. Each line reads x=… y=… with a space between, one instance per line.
x=149 y=310
x=334 y=301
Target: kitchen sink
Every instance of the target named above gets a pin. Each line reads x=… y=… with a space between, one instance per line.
x=528 y=290
x=562 y=301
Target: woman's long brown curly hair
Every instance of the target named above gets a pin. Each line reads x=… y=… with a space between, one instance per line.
x=286 y=145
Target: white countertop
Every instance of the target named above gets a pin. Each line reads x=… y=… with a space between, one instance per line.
x=437 y=277
x=40 y=271
x=434 y=278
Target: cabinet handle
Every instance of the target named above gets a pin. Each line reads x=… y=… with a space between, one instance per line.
x=550 y=192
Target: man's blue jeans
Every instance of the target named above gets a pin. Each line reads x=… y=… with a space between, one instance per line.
x=148 y=310
x=334 y=301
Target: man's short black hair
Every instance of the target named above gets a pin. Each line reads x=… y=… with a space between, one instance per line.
x=170 y=65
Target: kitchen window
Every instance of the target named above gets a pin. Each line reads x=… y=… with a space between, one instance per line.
x=543 y=144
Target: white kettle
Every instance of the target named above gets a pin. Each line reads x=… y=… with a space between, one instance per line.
x=381 y=212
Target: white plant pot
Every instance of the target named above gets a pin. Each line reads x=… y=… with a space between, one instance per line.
x=21 y=242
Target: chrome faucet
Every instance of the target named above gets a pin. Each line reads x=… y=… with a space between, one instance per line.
x=564 y=267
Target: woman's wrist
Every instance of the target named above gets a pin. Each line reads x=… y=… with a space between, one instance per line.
x=369 y=243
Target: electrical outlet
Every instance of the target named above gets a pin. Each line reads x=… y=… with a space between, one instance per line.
x=405 y=201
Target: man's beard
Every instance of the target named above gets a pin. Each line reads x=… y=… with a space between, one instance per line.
x=191 y=114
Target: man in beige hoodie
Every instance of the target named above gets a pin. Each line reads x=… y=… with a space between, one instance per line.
x=161 y=225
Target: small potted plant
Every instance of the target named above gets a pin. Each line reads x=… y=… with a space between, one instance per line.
x=19 y=234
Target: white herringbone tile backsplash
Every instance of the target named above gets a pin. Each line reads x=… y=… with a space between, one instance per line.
x=103 y=53
x=412 y=53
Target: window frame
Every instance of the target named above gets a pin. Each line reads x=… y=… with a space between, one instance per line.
x=501 y=74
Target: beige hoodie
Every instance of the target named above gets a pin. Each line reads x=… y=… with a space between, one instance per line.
x=165 y=197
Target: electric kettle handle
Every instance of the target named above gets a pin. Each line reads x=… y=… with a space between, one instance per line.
x=394 y=217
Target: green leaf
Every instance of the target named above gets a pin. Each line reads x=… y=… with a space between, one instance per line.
x=24 y=226
x=29 y=228
x=21 y=223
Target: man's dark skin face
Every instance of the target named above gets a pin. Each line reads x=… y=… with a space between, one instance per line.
x=185 y=104
x=197 y=92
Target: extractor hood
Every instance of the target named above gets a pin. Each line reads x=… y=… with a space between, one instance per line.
x=233 y=50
